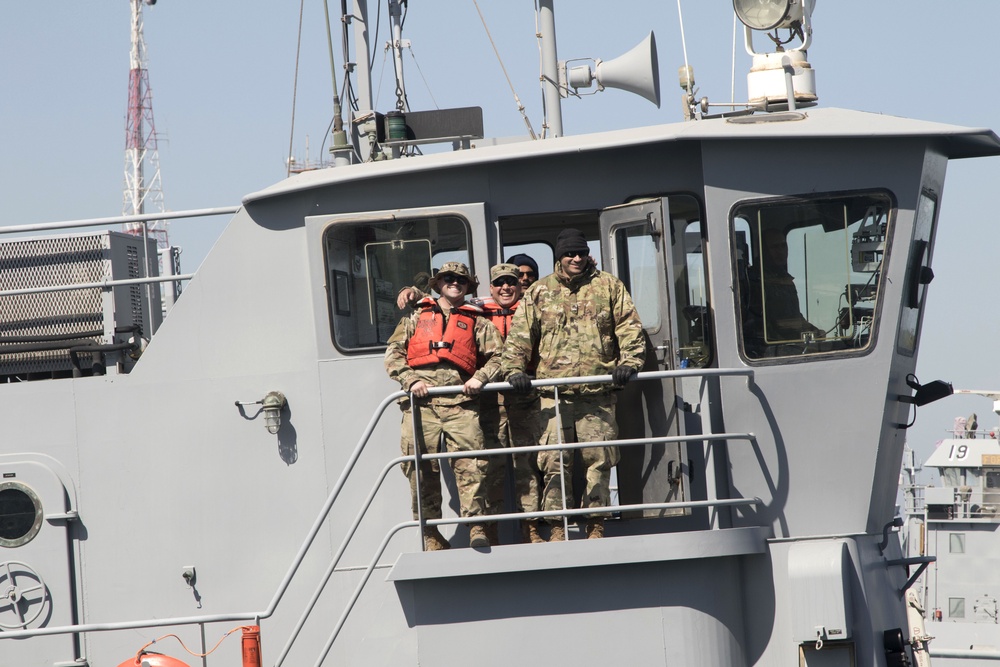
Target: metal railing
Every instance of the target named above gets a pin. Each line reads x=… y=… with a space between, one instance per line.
x=255 y=616
x=119 y=220
x=564 y=512
x=141 y=219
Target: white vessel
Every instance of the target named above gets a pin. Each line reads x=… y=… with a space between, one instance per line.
x=234 y=465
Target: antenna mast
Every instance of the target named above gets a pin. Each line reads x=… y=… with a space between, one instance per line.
x=141 y=155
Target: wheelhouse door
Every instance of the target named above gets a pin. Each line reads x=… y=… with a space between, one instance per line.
x=654 y=247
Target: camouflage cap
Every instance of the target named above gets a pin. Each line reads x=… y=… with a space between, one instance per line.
x=459 y=269
x=501 y=270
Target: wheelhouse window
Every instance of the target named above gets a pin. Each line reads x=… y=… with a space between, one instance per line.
x=916 y=278
x=809 y=272
x=367 y=263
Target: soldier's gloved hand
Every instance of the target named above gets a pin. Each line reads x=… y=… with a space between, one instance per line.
x=622 y=374
x=520 y=382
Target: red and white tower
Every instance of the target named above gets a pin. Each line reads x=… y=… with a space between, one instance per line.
x=143 y=190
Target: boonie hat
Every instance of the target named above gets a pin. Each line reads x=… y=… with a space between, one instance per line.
x=459 y=269
x=501 y=270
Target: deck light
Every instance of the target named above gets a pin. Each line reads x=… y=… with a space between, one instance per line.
x=273 y=404
x=768 y=14
x=783 y=79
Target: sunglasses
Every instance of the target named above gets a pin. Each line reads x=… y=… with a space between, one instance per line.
x=452 y=278
x=500 y=282
x=577 y=253
x=527 y=274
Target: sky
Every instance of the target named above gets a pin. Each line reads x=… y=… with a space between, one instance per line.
x=222 y=75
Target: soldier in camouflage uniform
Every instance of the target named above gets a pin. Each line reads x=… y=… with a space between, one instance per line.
x=446 y=342
x=579 y=321
x=507 y=419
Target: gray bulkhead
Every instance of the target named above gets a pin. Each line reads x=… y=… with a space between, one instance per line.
x=171 y=473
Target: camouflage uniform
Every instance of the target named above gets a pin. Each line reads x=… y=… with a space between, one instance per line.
x=585 y=325
x=511 y=420
x=455 y=417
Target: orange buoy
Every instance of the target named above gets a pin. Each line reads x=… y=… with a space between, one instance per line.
x=251 y=646
x=153 y=660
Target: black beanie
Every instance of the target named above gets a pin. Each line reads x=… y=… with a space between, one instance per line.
x=571 y=240
x=524 y=260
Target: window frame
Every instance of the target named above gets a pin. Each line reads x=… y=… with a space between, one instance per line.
x=36 y=524
x=467 y=215
x=880 y=285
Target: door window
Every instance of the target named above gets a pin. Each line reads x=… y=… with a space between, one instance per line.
x=650 y=262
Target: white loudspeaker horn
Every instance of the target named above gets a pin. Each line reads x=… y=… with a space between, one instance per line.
x=636 y=71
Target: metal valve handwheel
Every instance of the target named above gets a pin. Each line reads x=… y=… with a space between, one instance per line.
x=17 y=583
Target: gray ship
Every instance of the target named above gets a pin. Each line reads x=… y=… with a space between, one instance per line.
x=231 y=468
x=951 y=525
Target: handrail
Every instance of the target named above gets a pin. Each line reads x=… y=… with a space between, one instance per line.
x=119 y=219
x=493 y=517
x=105 y=284
x=565 y=512
x=282 y=586
x=351 y=462
x=508 y=516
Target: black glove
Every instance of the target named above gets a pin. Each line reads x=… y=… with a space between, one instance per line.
x=520 y=382
x=622 y=374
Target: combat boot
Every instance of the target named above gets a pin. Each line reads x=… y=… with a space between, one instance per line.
x=529 y=532
x=595 y=529
x=493 y=532
x=558 y=533
x=434 y=540
x=477 y=536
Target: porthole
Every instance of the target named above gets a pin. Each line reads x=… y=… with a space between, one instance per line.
x=20 y=514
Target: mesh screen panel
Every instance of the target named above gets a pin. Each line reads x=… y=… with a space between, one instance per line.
x=65 y=260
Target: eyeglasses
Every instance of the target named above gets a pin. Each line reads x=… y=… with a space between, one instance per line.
x=527 y=274
x=452 y=278
x=500 y=282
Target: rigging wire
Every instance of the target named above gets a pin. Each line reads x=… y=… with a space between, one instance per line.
x=374 y=39
x=381 y=75
x=295 y=87
x=345 y=44
x=421 y=72
x=520 y=107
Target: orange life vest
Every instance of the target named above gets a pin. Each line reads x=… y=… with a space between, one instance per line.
x=500 y=316
x=433 y=341
x=502 y=319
